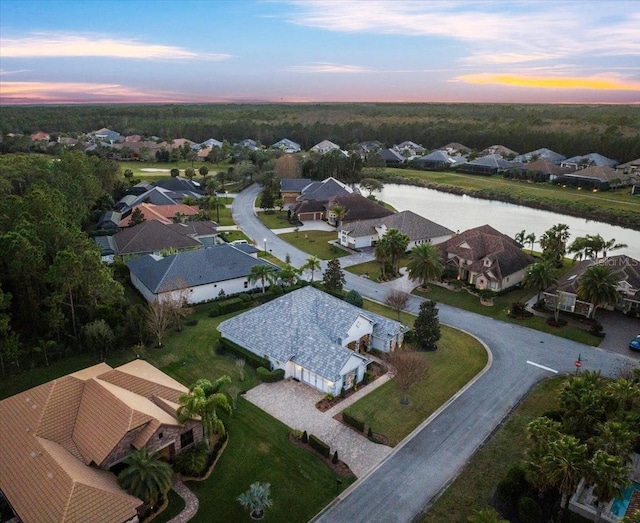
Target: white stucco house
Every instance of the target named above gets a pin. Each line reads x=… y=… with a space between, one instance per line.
x=366 y=233
x=196 y=276
x=314 y=337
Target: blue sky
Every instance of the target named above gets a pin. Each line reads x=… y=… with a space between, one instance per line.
x=319 y=51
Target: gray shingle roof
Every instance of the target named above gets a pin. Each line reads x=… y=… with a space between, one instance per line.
x=152 y=236
x=407 y=222
x=324 y=190
x=193 y=268
x=293 y=184
x=304 y=326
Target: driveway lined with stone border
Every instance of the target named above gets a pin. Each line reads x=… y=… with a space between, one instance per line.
x=293 y=403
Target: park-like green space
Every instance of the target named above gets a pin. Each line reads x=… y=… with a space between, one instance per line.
x=274 y=219
x=315 y=243
x=473 y=488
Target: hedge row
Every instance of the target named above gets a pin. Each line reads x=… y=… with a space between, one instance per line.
x=319 y=445
x=270 y=376
x=228 y=306
x=252 y=359
x=353 y=421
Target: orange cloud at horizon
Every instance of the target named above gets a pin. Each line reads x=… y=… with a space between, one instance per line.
x=552 y=82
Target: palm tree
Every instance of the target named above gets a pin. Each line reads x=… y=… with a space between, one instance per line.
x=616 y=439
x=425 y=263
x=289 y=275
x=146 y=477
x=531 y=239
x=313 y=264
x=539 y=276
x=256 y=499
x=554 y=243
x=609 y=475
x=611 y=245
x=263 y=274
x=213 y=202
x=339 y=212
x=197 y=403
x=598 y=285
x=520 y=237
x=566 y=464
x=210 y=388
x=382 y=254
x=397 y=244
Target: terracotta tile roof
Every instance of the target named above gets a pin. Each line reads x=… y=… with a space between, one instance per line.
x=51 y=433
x=161 y=213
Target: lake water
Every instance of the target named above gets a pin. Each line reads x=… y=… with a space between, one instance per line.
x=459 y=213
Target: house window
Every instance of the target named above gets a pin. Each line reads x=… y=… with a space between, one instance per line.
x=246 y=284
x=186 y=439
x=160 y=435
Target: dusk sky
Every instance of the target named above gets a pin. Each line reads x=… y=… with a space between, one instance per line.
x=319 y=51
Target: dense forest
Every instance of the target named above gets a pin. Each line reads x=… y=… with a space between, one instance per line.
x=56 y=295
x=611 y=130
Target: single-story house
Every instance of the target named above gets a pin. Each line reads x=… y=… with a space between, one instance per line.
x=540 y=154
x=631 y=168
x=310 y=204
x=409 y=149
x=109 y=220
x=486 y=258
x=499 y=150
x=108 y=248
x=539 y=170
x=291 y=188
x=563 y=295
x=210 y=143
x=324 y=147
x=391 y=157
x=61 y=439
x=106 y=135
x=152 y=237
x=287 y=146
x=357 y=208
x=162 y=213
x=594 y=177
x=587 y=160
x=249 y=144
x=197 y=276
x=366 y=233
x=183 y=186
x=439 y=160
x=322 y=342
x=455 y=148
x=490 y=164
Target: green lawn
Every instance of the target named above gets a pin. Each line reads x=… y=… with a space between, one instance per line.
x=372 y=268
x=274 y=220
x=259 y=450
x=235 y=235
x=226 y=217
x=473 y=488
x=315 y=243
x=463 y=300
x=458 y=359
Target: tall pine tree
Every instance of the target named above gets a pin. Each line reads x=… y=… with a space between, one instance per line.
x=427 y=326
x=333 y=277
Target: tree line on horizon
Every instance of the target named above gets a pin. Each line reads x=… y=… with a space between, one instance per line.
x=611 y=130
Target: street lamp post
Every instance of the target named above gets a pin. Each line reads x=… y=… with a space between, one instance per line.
x=265 y=246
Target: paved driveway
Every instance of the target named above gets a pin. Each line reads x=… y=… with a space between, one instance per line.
x=293 y=403
x=620 y=330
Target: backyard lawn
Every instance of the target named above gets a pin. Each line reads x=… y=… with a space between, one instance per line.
x=473 y=488
x=315 y=243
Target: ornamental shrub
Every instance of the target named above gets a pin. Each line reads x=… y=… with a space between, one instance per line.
x=352 y=421
x=319 y=445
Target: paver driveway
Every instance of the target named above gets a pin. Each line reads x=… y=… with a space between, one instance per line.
x=293 y=403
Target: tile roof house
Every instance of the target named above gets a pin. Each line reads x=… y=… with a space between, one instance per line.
x=630 y=168
x=107 y=135
x=455 y=148
x=310 y=204
x=196 y=276
x=321 y=341
x=540 y=170
x=563 y=295
x=500 y=150
x=357 y=206
x=177 y=184
x=540 y=154
x=409 y=150
x=587 y=160
x=366 y=233
x=161 y=213
x=60 y=439
x=391 y=157
x=287 y=146
x=486 y=258
x=248 y=144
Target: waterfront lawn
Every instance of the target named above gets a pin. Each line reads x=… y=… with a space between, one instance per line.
x=316 y=243
x=259 y=450
x=458 y=359
x=473 y=488
x=620 y=200
x=274 y=220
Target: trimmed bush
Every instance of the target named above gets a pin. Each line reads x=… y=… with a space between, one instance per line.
x=241 y=352
x=352 y=421
x=354 y=298
x=305 y=437
x=529 y=511
x=192 y=462
x=319 y=445
x=370 y=433
x=276 y=290
x=214 y=310
x=270 y=376
x=245 y=297
x=513 y=486
x=191 y=323
x=334 y=460
x=297 y=434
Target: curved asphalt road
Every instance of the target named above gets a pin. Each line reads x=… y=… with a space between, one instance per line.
x=414 y=474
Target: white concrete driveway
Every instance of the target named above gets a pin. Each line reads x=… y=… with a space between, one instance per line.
x=293 y=403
